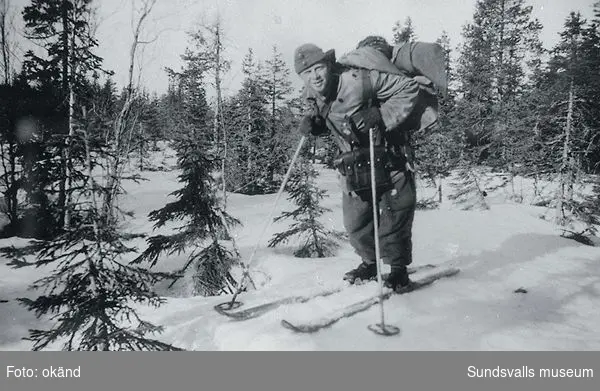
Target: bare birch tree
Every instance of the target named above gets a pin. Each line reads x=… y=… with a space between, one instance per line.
x=8 y=149
x=6 y=40
x=211 y=38
x=123 y=128
x=567 y=174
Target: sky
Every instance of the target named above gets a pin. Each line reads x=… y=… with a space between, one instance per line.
x=261 y=24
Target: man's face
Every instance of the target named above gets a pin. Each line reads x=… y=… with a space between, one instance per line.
x=316 y=77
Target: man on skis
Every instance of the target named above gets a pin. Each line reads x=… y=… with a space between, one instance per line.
x=347 y=102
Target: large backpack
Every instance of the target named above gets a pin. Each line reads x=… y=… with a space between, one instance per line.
x=424 y=62
x=423 y=59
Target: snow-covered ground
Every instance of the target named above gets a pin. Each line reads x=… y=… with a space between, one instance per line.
x=498 y=250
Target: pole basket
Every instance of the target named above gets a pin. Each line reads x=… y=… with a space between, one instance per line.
x=384 y=329
x=228 y=306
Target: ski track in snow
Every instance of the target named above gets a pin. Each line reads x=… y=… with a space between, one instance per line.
x=498 y=250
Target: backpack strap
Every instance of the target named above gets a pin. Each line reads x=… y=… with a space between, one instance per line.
x=368 y=93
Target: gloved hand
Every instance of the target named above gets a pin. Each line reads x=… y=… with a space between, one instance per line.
x=372 y=119
x=312 y=125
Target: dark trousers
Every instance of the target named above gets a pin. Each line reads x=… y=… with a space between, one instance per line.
x=397 y=211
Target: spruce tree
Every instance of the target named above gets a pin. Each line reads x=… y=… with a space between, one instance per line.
x=209 y=260
x=16 y=102
x=63 y=29
x=588 y=210
x=468 y=190
x=331 y=152
x=500 y=51
x=142 y=134
x=204 y=219
x=437 y=147
x=498 y=61
x=278 y=87
x=92 y=290
x=316 y=240
x=27 y=118
x=248 y=118
x=567 y=128
x=209 y=51
x=404 y=32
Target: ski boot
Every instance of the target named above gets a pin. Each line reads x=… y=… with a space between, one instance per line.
x=364 y=272
x=398 y=279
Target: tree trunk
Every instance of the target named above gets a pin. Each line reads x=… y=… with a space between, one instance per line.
x=69 y=160
x=4 y=6
x=218 y=112
x=141 y=147
x=500 y=67
x=65 y=44
x=566 y=172
x=121 y=125
x=69 y=139
x=65 y=91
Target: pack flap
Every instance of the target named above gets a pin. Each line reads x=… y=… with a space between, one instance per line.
x=369 y=58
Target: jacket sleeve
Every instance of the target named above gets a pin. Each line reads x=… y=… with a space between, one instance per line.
x=397 y=95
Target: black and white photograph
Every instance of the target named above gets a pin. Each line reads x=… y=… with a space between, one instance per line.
x=300 y=175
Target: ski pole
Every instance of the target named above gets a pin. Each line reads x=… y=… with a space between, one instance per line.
x=380 y=328
x=246 y=267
